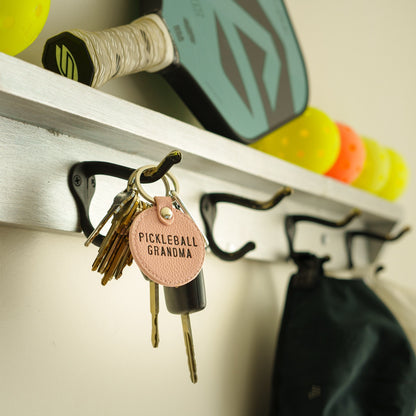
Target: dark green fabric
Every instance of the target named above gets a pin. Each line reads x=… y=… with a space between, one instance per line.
x=341 y=352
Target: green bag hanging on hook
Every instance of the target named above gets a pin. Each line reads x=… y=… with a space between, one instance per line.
x=341 y=352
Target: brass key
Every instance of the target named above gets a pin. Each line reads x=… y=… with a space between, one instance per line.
x=113 y=264
x=114 y=253
x=109 y=239
x=119 y=201
x=154 y=310
x=189 y=345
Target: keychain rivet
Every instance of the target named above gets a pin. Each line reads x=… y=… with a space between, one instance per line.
x=166 y=213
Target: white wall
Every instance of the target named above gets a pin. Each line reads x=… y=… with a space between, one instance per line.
x=69 y=346
x=361 y=58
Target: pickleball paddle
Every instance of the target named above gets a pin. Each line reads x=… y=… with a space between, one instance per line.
x=236 y=64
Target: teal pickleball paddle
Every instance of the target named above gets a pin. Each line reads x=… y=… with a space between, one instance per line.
x=237 y=65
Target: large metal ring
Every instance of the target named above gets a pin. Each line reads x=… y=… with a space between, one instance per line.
x=135 y=178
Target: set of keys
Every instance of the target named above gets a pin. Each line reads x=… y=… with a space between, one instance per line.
x=160 y=235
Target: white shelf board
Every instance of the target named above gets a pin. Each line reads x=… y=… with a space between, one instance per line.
x=69 y=122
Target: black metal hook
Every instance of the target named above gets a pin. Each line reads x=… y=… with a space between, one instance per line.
x=310 y=266
x=350 y=235
x=291 y=220
x=82 y=183
x=208 y=210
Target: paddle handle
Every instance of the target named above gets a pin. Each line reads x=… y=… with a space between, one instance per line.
x=94 y=58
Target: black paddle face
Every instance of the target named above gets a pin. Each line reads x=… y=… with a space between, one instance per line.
x=239 y=67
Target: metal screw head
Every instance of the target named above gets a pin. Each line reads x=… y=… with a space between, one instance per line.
x=77 y=180
x=166 y=213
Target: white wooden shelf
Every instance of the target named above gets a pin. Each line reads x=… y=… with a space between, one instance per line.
x=48 y=123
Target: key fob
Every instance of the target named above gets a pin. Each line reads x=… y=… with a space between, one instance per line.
x=188 y=298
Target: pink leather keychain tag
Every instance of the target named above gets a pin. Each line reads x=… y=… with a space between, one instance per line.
x=166 y=244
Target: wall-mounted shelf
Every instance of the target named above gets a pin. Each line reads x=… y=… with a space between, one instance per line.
x=48 y=123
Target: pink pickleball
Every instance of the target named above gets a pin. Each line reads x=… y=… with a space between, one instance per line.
x=351 y=158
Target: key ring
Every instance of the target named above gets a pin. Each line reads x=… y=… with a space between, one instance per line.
x=135 y=180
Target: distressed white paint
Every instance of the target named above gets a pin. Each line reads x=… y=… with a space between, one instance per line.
x=49 y=129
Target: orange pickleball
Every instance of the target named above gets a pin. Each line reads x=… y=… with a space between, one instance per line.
x=351 y=158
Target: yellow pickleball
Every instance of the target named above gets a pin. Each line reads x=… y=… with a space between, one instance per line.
x=376 y=167
x=21 y=21
x=311 y=140
x=398 y=177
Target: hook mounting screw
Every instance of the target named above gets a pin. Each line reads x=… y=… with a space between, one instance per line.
x=77 y=180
